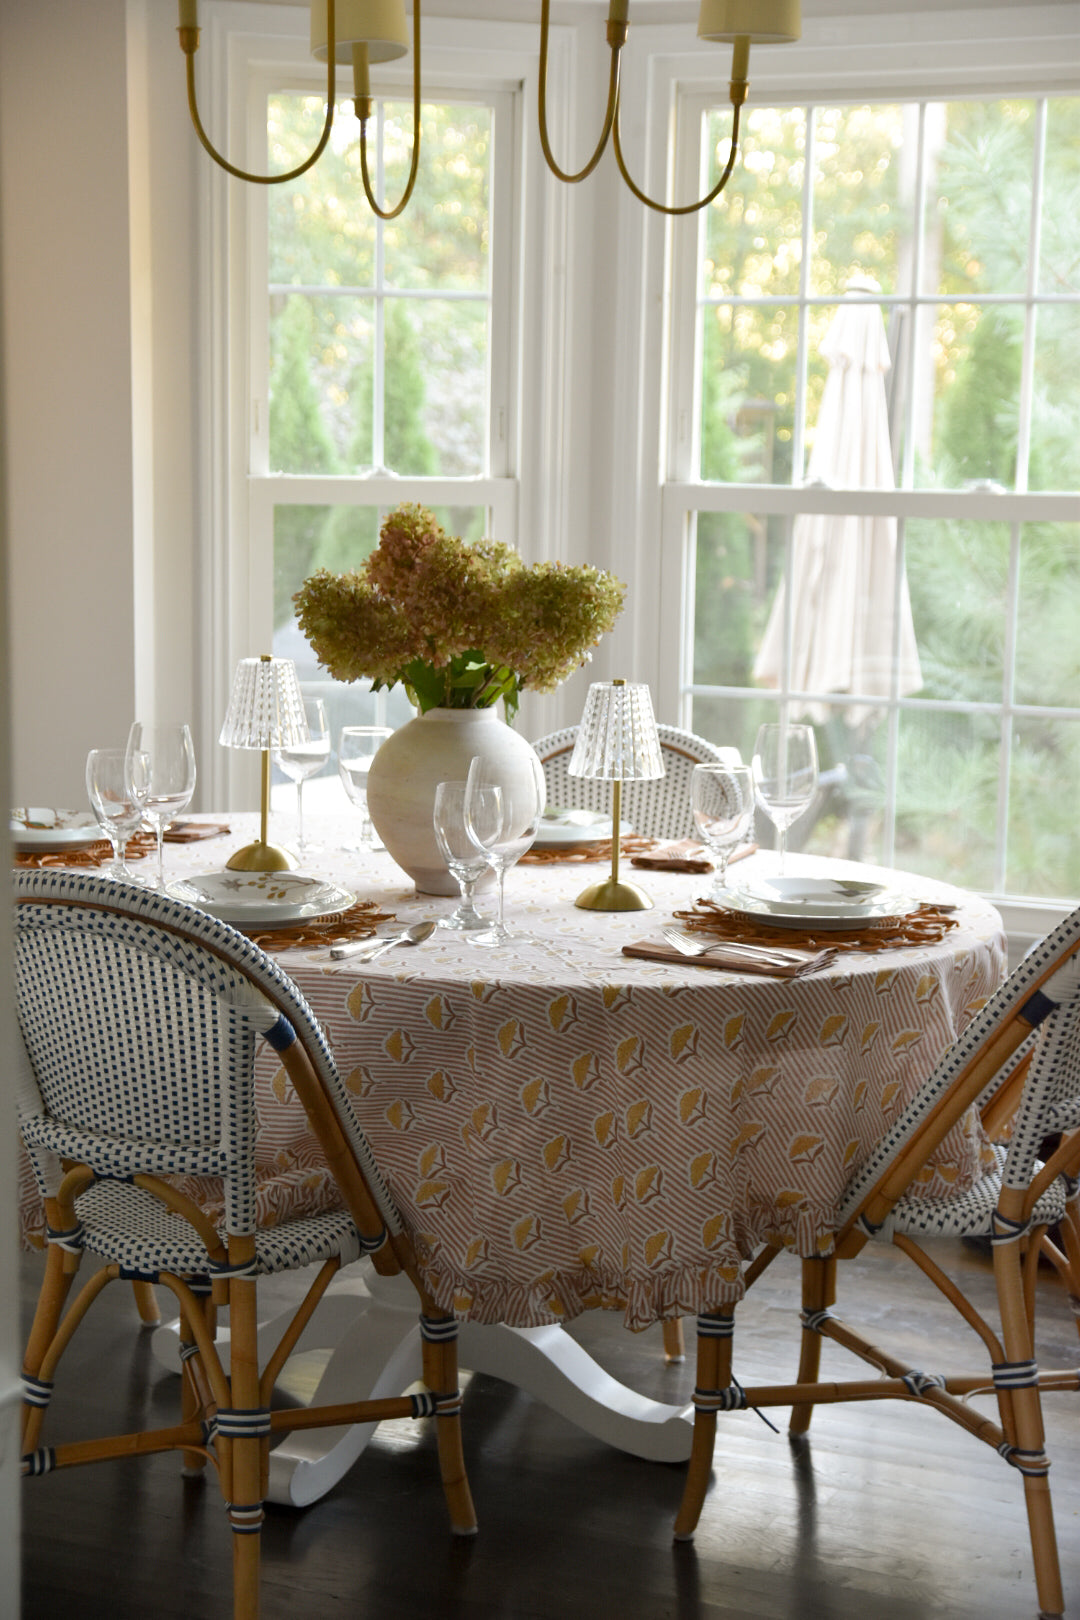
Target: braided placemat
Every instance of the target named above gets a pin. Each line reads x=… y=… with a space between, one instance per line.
x=99 y=853
x=926 y=925
x=580 y=854
x=359 y=922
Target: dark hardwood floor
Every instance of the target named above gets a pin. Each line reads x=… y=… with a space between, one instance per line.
x=889 y=1512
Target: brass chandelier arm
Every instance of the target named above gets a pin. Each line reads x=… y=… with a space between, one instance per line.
x=392 y=213
x=617 y=33
x=189 y=44
x=684 y=208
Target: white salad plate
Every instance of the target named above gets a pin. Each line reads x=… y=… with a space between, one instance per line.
x=561 y=827
x=793 y=902
x=262 y=899
x=33 y=828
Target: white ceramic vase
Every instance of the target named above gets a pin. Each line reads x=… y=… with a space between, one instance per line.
x=435 y=747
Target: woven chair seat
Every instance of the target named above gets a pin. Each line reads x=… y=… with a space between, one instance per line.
x=133 y=1229
x=970 y=1214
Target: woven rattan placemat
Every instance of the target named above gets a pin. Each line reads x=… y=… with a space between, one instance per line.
x=924 y=926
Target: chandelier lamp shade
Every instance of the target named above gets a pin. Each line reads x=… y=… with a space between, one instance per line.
x=617 y=742
x=367 y=32
x=266 y=711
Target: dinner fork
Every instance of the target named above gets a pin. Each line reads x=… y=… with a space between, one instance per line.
x=693 y=945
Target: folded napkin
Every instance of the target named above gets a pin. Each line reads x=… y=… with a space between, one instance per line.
x=189 y=832
x=685 y=856
x=745 y=959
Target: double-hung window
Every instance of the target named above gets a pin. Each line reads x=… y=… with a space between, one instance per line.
x=371 y=362
x=915 y=596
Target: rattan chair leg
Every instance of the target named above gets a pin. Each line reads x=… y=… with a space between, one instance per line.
x=192 y=1402
x=1026 y=1422
x=146 y=1304
x=440 y=1367
x=247 y=1466
x=60 y=1270
x=818 y=1294
x=674 y=1339
x=713 y=1375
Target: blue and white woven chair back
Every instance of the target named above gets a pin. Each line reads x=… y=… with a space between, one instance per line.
x=140 y=1017
x=659 y=809
x=1046 y=986
x=1051 y=1097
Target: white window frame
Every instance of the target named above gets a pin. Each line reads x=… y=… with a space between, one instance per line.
x=1020 y=53
x=244 y=51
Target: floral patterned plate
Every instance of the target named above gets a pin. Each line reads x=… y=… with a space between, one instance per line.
x=262 y=899
x=36 y=829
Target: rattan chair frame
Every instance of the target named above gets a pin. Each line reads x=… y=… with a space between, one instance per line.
x=1019 y=1056
x=83 y=1024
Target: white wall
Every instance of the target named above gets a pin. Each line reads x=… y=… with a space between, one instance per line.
x=98 y=279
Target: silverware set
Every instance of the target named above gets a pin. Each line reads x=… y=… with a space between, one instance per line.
x=777 y=956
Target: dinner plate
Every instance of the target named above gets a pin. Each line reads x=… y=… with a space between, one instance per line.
x=261 y=899
x=793 y=902
x=33 y=828
x=593 y=829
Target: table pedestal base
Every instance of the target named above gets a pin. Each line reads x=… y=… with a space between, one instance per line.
x=369 y=1323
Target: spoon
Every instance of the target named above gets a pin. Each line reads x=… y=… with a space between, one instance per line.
x=369 y=949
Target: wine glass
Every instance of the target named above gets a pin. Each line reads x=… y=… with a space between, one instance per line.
x=357 y=747
x=502 y=814
x=467 y=863
x=114 y=805
x=304 y=759
x=722 y=800
x=159 y=768
x=785 y=775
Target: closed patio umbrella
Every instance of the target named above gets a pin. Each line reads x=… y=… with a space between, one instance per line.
x=843 y=570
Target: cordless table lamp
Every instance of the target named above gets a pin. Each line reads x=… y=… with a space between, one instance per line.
x=266 y=710
x=617 y=742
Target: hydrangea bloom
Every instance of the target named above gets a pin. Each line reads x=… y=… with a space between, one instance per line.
x=461 y=625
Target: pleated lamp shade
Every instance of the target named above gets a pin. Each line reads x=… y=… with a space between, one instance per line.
x=617 y=740
x=266 y=711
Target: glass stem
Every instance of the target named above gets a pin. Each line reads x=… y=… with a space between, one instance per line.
x=783 y=847
x=500 y=873
x=300 y=815
x=160 y=829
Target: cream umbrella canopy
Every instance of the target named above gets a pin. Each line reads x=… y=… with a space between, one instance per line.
x=843 y=571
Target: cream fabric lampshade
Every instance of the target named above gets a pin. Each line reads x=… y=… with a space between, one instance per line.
x=378 y=24
x=762 y=22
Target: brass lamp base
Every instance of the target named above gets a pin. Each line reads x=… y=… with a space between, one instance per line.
x=260 y=857
x=611 y=895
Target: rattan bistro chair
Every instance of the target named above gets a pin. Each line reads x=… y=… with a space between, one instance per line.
x=1013 y=1204
x=659 y=809
x=140 y=1019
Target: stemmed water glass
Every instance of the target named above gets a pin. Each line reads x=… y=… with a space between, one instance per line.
x=502 y=814
x=467 y=863
x=159 y=769
x=115 y=807
x=304 y=759
x=357 y=747
x=785 y=775
x=722 y=801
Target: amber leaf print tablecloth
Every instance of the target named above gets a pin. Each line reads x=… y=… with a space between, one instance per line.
x=565 y=1127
